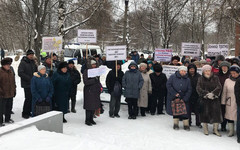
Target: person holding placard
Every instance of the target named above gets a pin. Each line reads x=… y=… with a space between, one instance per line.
x=114 y=86
x=132 y=83
x=91 y=92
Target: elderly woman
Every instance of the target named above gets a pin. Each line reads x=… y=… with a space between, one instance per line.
x=62 y=82
x=132 y=82
x=179 y=85
x=145 y=90
x=229 y=99
x=209 y=89
x=41 y=88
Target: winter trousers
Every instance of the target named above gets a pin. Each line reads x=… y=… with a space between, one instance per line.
x=5 y=108
x=132 y=106
x=238 y=122
x=27 y=106
x=157 y=103
x=149 y=102
x=194 y=107
x=73 y=101
x=224 y=123
x=142 y=111
x=114 y=105
x=89 y=115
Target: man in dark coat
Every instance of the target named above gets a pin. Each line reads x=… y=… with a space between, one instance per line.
x=223 y=74
x=91 y=92
x=194 y=98
x=50 y=68
x=76 y=79
x=7 y=91
x=159 y=90
x=111 y=82
x=132 y=83
x=25 y=71
x=237 y=94
x=62 y=83
x=179 y=85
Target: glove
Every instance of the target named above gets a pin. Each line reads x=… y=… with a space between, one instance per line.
x=48 y=99
x=39 y=100
x=210 y=96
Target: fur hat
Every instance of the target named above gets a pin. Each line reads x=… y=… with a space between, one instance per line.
x=30 y=52
x=6 y=61
x=206 y=67
x=225 y=63
x=93 y=62
x=62 y=65
x=176 y=58
x=143 y=65
x=184 y=68
x=220 y=58
x=41 y=67
x=157 y=68
x=71 y=62
x=235 y=68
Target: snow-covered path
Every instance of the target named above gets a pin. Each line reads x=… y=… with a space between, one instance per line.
x=145 y=133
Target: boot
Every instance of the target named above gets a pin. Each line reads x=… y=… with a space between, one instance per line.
x=186 y=125
x=205 y=128
x=73 y=103
x=176 y=124
x=231 y=129
x=215 y=129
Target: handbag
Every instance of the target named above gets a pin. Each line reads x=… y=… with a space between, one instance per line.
x=42 y=107
x=178 y=107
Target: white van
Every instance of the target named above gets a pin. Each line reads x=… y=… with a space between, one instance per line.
x=73 y=50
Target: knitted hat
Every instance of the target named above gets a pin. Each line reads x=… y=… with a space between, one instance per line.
x=235 y=68
x=41 y=67
x=225 y=63
x=184 y=68
x=208 y=60
x=220 y=58
x=143 y=65
x=62 y=65
x=206 y=67
x=93 y=62
x=157 y=68
x=30 y=52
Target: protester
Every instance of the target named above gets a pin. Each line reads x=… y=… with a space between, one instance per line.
x=229 y=99
x=209 y=89
x=41 y=88
x=159 y=90
x=198 y=64
x=175 y=61
x=235 y=61
x=145 y=90
x=26 y=69
x=2 y=54
x=114 y=86
x=50 y=67
x=76 y=79
x=194 y=98
x=92 y=91
x=55 y=60
x=62 y=82
x=223 y=74
x=237 y=95
x=7 y=91
x=216 y=64
x=132 y=83
x=142 y=59
x=135 y=56
x=150 y=66
x=179 y=85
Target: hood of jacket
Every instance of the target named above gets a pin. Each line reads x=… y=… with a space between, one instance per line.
x=133 y=63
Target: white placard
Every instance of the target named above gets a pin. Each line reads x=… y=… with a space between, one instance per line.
x=87 y=36
x=163 y=55
x=51 y=44
x=97 y=71
x=116 y=53
x=169 y=70
x=191 y=49
x=217 y=49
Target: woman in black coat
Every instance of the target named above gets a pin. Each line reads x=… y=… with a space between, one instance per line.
x=209 y=90
x=92 y=91
x=76 y=79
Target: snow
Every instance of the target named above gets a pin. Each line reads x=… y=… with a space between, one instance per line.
x=150 y=132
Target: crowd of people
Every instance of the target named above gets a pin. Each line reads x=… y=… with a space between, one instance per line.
x=213 y=96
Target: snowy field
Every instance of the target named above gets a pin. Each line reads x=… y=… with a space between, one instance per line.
x=144 y=133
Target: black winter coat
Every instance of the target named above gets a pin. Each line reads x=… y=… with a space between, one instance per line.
x=237 y=92
x=159 y=83
x=111 y=79
x=25 y=71
x=194 y=80
x=76 y=79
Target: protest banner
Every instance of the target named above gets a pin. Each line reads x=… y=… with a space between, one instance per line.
x=191 y=49
x=217 y=49
x=51 y=44
x=163 y=55
x=97 y=71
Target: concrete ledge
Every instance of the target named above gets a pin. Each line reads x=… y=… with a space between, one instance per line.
x=51 y=121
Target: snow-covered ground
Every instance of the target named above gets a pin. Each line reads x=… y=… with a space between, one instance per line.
x=150 y=132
